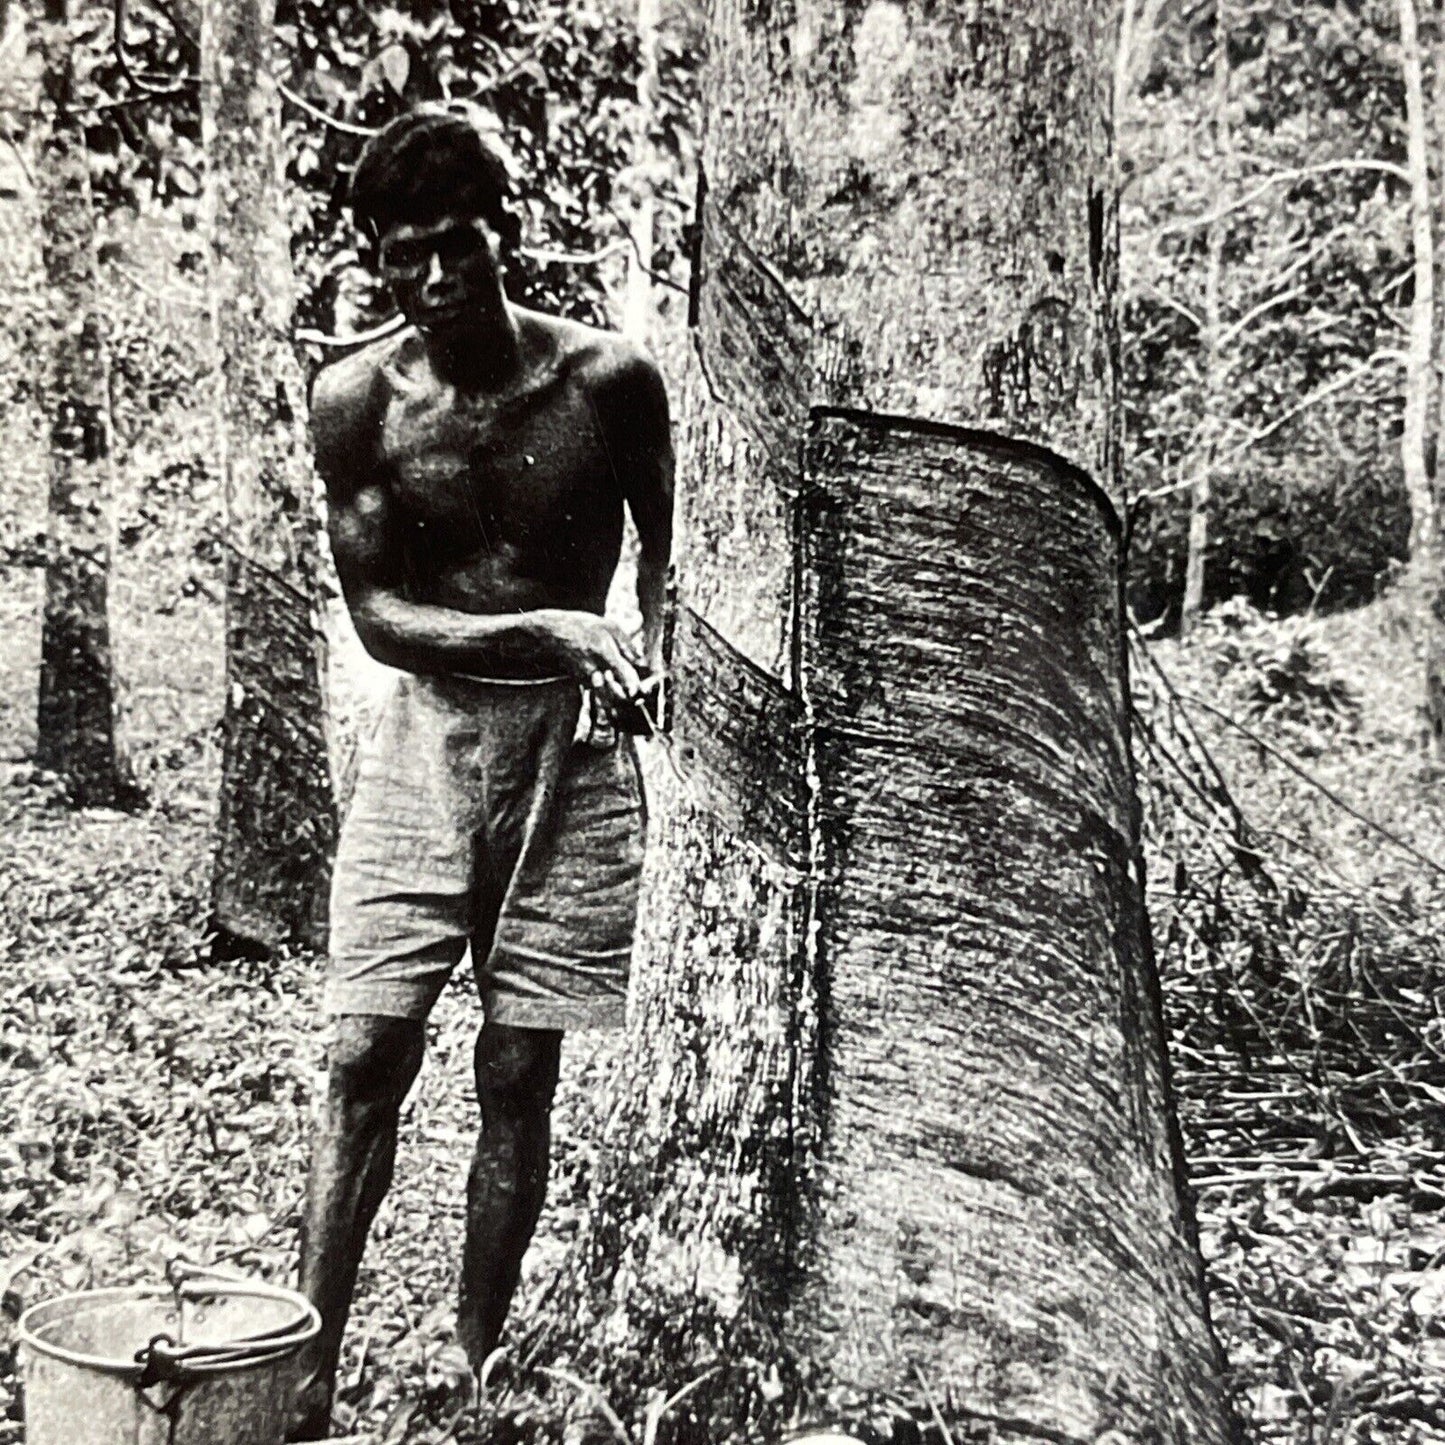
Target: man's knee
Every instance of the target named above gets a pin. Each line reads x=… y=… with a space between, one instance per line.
x=517 y=1068
x=374 y=1060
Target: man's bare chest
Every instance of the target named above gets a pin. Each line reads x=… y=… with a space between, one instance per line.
x=502 y=469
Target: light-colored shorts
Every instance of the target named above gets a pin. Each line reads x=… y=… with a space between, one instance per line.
x=480 y=820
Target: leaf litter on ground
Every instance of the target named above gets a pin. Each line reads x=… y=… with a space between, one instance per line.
x=155 y=1105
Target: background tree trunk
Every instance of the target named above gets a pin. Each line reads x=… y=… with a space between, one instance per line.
x=638 y=310
x=1432 y=576
x=1212 y=390
x=76 y=715
x=1138 y=28
x=277 y=814
x=1422 y=308
x=899 y=1141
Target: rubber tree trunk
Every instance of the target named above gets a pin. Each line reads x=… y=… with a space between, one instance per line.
x=1211 y=421
x=896 y=1141
x=1138 y=30
x=277 y=814
x=1431 y=575
x=1416 y=409
x=638 y=306
x=76 y=714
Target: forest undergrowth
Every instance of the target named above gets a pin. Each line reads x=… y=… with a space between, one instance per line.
x=154 y=1105
x=1296 y=836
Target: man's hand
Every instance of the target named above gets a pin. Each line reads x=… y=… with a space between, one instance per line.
x=593 y=650
x=642 y=715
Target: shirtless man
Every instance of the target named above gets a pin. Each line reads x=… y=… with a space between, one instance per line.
x=477 y=464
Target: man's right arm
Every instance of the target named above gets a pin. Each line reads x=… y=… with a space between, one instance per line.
x=370 y=561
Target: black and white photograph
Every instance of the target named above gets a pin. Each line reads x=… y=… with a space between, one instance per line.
x=722 y=722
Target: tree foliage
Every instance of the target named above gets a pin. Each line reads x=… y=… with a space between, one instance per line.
x=1315 y=290
x=560 y=80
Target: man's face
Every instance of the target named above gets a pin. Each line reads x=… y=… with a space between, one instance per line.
x=442 y=275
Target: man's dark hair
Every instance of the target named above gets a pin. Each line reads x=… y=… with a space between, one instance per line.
x=428 y=163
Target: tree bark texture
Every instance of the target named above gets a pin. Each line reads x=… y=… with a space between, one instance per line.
x=897 y=1144
x=1138 y=29
x=76 y=715
x=1415 y=420
x=1431 y=575
x=1212 y=391
x=277 y=813
x=638 y=306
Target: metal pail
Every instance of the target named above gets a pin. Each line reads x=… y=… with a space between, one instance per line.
x=208 y=1362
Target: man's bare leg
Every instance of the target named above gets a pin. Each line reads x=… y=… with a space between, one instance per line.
x=372 y=1063
x=516 y=1078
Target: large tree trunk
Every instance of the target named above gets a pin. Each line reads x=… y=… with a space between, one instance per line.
x=897 y=1139
x=76 y=733
x=277 y=813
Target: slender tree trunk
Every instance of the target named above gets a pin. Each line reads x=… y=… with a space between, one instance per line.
x=76 y=723
x=1437 y=101
x=1124 y=58
x=1138 y=26
x=897 y=1139
x=1422 y=307
x=637 y=309
x=1211 y=423
x=1431 y=571
x=277 y=813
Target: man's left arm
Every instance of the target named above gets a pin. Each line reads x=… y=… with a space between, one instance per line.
x=644 y=459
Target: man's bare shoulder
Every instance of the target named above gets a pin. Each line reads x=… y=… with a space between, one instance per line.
x=605 y=361
x=349 y=384
x=345 y=401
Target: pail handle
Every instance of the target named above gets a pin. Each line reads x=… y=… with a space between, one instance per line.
x=162 y=1358
x=187 y=1281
